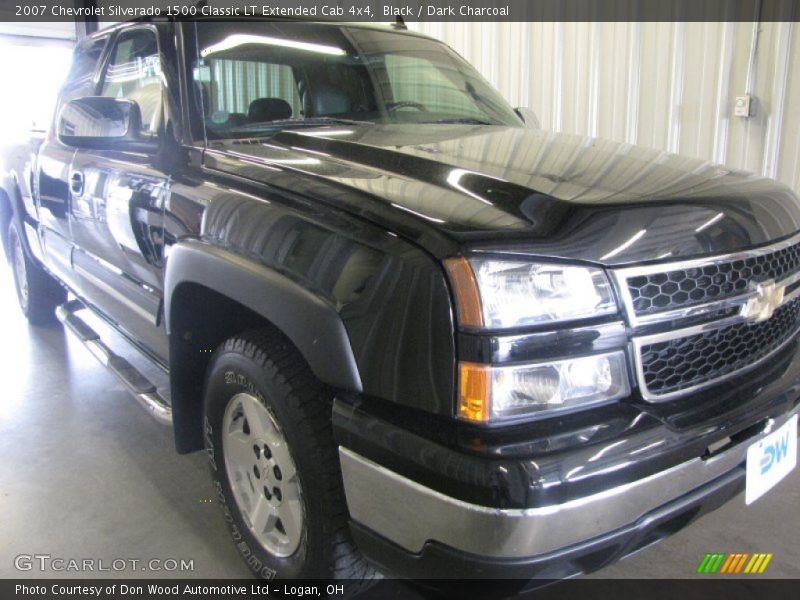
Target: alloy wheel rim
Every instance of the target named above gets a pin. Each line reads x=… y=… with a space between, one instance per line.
x=262 y=475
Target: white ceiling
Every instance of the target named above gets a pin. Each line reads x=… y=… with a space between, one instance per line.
x=59 y=30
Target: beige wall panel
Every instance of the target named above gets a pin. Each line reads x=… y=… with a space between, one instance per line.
x=668 y=86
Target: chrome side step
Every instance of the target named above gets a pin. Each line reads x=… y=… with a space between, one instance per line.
x=142 y=389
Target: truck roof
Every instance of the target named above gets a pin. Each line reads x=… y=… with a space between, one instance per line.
x=387 y=27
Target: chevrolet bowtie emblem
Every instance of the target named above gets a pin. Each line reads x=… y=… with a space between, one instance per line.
x=768 y=298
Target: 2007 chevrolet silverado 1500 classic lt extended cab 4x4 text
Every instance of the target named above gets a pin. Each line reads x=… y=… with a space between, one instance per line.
x=408 y=329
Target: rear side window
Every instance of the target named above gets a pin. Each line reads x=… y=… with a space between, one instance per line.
x=84 y=61
x=134 y=73
x=237 y=92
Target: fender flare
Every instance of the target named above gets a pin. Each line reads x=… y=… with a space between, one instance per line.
x=309 y=321
x=9 y=185
x=9 y=191
x=10 y=194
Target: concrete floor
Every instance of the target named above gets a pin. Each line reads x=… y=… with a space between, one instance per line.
x=85 y=473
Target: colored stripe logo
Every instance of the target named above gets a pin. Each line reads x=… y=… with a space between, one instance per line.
x=737 y=562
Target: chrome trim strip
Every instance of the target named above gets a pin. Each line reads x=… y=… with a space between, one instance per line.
x=695 y=311
x=791 y=296
x=674 y=334
x=621 y=276
x=790 y=280
x=410 y=514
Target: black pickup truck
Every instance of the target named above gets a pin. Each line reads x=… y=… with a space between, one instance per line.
x=410 y=329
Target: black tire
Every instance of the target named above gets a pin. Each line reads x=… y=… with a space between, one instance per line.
x=37 y=292
x=264 y=366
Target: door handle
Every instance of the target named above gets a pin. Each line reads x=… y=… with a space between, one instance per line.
x=76 y=183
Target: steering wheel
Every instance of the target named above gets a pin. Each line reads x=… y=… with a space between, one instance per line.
x=393 y=106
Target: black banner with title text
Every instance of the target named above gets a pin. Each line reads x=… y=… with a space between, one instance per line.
x=744 y=588
x=382 y=11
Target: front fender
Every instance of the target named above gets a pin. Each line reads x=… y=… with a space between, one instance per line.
x=309 y=321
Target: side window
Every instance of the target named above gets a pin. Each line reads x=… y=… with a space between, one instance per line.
x=238 y=91
x=84 y=62
x=134 y=73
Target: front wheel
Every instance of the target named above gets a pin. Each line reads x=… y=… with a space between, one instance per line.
x=37 y=292
x=274 y=463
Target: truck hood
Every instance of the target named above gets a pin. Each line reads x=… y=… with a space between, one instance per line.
x=455 y=188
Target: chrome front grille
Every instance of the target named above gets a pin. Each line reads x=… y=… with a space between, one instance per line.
x=681 y=363
x=699 y=322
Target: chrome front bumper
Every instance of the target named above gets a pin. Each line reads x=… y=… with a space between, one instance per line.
x=409 y=514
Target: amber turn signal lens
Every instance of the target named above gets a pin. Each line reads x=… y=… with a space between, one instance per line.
x=474 y=392
x=468 y=300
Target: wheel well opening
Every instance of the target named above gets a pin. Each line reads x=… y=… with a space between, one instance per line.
x=200 y=320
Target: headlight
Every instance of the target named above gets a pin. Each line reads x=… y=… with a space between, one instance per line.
x=501 y=294
x=488 y=393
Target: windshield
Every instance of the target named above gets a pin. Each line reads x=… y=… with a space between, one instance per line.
x=257 y=78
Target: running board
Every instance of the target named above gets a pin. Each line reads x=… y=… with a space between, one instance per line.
x=142 y=389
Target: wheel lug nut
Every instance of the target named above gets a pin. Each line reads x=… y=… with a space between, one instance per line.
x=267 y=495
x=255 y=472
x=267 y=452
x=277 y=493
x=257 y=451
x=277 y=471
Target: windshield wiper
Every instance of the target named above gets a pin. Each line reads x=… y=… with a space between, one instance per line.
x=458 y=120
x=309 y=122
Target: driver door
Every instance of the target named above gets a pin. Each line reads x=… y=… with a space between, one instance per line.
x=117 y=203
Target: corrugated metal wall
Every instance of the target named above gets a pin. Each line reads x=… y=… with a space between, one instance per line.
x=669 y=86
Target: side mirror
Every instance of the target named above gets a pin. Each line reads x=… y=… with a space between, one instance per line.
x=102 y=123
x=528 y=117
